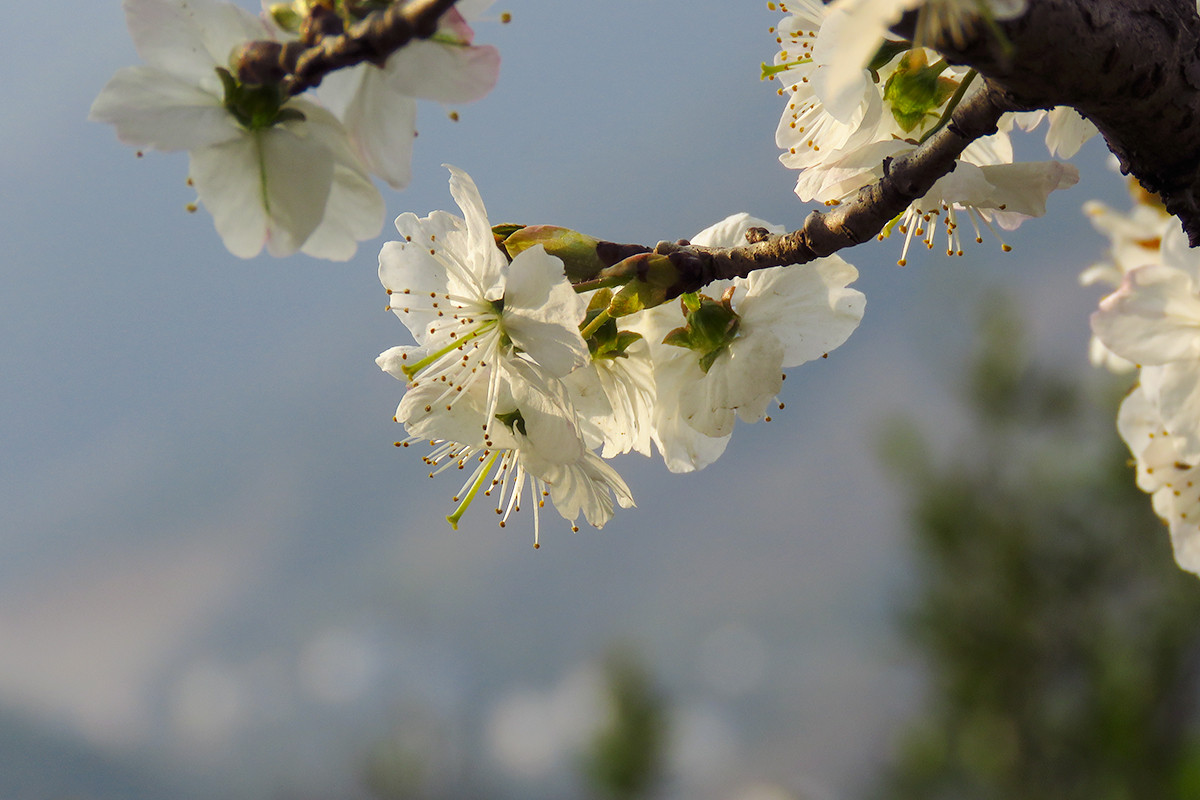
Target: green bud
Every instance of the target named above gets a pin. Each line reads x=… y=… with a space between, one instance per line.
x=577 y=250
x=648 y=278
x=916 y=90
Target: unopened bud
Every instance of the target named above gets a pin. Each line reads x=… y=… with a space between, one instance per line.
x=258 y=63
x=650 y=280
x=577 y=250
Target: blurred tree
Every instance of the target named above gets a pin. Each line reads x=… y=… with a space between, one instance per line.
x=627 y=757
x=1062 y=643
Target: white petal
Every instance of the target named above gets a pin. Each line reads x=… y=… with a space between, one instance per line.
x=354 y=209
x=731 y=231
x=1067 y=132
x=257 y=194
x=447 y=73
x=1153 y=318
x=850 y=37
x=189 y=38
x=151 y=108
x=741 y=380
x=395 y=359
x=487 y=262
x=809 y=308
x=542 y=312
x=1175 y=390
x=383 y=125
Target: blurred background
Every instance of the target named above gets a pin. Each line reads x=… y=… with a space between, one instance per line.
x=928 y=577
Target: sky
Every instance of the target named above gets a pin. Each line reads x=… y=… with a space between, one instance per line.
x=218 y=575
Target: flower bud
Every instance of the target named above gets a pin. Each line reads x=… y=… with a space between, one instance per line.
x=577 y=250
x=649 y=281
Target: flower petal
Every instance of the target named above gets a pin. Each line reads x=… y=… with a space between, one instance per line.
x=151 y=108
x=189 y=38
x=542 y=312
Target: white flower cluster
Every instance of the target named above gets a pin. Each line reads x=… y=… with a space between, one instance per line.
x=1152 y=322
x=278 y=171
x=503 y=386
x=857 y=97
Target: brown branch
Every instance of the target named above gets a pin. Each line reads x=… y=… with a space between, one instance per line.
x=907 y=178
x=324 y=47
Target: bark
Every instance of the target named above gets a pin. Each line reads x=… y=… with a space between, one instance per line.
x=1132 y=67
x=325 y=47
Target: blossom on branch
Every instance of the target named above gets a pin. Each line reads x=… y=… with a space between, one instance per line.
x=1135 y=240
x=842 y=132
x=273 y=171
x=494 y=339
x=725 y=359
x=377 y=103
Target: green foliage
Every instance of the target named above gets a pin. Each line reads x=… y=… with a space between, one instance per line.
x=627 y=757
x=1060 y=638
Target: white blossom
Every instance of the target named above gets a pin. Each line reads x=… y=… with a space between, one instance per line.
x=470 y=309
x=1153 y=320
x=615 y=399
x=784 y=316
x=288 y=180
x=537 y=446
x=378 y=103
x=1135 y=240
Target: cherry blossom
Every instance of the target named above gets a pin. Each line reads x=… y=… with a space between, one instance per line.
x=470 y=309
x=725 y=359
x=1153 y=319
x=273 y=171
x=378 y=103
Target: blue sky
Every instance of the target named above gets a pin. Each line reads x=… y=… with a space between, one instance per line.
x=206 y=536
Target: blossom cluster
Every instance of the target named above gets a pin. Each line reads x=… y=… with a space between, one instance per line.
x=858 y=97
x=523 y=381
x=288 y=173
x=1151 y=322
x=535 y=359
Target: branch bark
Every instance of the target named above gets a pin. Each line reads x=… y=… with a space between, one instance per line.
x=907 y=178
x=324 y=47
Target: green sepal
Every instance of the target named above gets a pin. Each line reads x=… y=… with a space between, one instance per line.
x=598 y=303
x=710 y=328
x=505 y=230
x=886 y=52
x=607 y=341
x=513 y=421
x=255 y=107
x=577 y=250
x=916 y=90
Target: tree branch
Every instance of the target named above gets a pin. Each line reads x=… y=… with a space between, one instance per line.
x=325 y=47
x=907 y=178
x=1131 y=67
